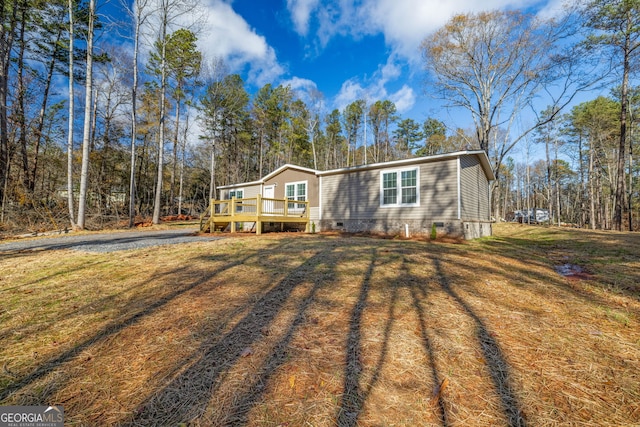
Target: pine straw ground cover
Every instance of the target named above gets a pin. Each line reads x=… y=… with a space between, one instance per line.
x=294 y=330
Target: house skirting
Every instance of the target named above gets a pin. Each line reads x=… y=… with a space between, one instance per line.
x=454 y=228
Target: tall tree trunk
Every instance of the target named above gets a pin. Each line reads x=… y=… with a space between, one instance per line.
x=592 y=192
x=583 y=185
x=7 y=33
x=630 y=189
x=549 y=184
x=261 y=152
x=70 y=201
x=182 y=160
x=20 y=107
x=557 y=179
x=134 y=124
x=212 y=176
x=624 y=96
x=86 y=139
x=174 y=166
x=163 y=88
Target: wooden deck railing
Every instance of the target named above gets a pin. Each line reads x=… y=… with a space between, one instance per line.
x=256 y=209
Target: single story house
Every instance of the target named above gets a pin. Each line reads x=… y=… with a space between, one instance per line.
x=450 y=191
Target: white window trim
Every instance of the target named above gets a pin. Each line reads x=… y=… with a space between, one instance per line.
x=295 y=187
x=398 y=173
x=235 y=190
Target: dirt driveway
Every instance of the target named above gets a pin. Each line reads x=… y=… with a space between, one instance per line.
x=107 y=242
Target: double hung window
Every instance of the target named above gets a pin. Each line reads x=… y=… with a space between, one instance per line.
x=238 y=194
x=399 y=188
x=296 y=191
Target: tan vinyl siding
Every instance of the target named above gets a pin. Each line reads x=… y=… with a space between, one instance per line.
x=294 y=175
x=474 y=189
x=248 y=191
x=439 y=189
x=356 y=195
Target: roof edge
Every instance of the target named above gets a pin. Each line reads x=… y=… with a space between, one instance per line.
x=484 y=160
x=240 y=184
x=288 y=166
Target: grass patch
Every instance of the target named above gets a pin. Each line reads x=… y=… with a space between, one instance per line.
x=325 y=330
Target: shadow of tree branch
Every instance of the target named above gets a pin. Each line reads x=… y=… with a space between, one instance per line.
x=498 y=366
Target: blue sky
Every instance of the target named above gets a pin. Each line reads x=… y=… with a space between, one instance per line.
x=347 y=50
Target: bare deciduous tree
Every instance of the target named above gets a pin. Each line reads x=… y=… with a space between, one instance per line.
x=494 y=64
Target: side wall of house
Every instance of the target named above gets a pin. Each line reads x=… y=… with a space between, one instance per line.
x=474 y=189
x=351 y=201
x=474 y=203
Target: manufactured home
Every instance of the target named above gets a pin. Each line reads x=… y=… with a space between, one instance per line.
x=450 y=192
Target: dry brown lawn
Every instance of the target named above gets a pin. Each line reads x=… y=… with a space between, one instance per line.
x=321 y=330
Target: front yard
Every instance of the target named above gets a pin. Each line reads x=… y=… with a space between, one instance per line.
x=321 y=330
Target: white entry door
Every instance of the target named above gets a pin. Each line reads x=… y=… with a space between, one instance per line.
x=268 y=192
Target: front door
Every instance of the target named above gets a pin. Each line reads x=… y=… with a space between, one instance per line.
x=268 y=192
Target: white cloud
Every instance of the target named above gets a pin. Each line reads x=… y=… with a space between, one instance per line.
x=404 y=23
x=404 y=99
x=227 y=35
x=307 y=91
x=375 y=88
x=556 y=8
x=391 y=70
x=297 y=83
x=301 y=13
x=350 y=91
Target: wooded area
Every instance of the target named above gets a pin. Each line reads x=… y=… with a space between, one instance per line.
x=126 y=139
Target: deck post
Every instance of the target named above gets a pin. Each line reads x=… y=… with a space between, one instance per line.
x=307 y=228
x=212 y=224
x=258 y=214
x=233 y=213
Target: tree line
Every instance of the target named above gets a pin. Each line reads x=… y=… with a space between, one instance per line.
x=129 y=140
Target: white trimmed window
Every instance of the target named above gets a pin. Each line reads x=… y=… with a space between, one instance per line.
x=399 y=188
x=296 y=191
x=238 y=194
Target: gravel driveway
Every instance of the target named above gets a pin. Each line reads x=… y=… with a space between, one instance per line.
x=108 y=242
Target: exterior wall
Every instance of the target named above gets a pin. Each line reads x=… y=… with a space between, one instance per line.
x=474 y=189
x=290 y=175
x=251 y=190
x=453 y=194
x=353 y=199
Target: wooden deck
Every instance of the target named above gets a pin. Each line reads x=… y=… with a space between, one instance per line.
x=223 y=214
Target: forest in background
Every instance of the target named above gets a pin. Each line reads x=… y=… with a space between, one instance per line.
x=126 y=139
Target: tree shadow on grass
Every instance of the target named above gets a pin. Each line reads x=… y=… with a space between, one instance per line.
x=239 y=413
x=497 y=365
x=418 y=290
x=354 y=395
x=187 y=396
x=112 y=328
